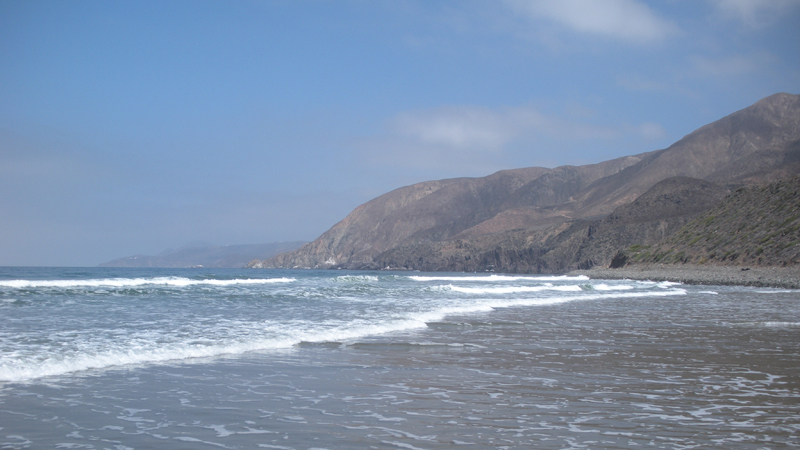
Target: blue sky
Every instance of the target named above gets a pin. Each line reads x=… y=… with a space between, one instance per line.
x=131 y=127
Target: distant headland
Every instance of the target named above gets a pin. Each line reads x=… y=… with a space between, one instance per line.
x=202 y=254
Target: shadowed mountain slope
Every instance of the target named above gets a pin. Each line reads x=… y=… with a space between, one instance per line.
x=548 y=220
x=434 y=211
x=571 y=245
x=758 y=226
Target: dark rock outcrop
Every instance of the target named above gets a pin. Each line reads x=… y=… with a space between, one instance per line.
x=538 y=220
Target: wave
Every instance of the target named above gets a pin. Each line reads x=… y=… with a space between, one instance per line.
x=780 y=324
x=544 y=287
x=135 y=282
x=606 y=287
x=766 y=324
x=497 y=278
x=511 y=289
x=137 y=353
x=661 y=284
x=489 y=305
x=272 y=335
x=357 y=278
x=18 y=371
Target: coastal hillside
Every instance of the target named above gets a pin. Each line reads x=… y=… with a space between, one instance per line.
x=755 y=226
x=578 y=244
x=541 y=220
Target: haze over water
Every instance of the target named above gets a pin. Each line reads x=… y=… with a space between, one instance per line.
x=202 y=358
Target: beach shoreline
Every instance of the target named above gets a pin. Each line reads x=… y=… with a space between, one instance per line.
x=777 y=277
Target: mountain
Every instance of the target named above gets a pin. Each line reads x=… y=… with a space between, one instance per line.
x=206 y=255
x=758 y=226
x=540 y=220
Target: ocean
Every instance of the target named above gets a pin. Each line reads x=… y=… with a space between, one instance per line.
x=109 y=358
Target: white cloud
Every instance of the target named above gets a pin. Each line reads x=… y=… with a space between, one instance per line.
x=466 y=128
x=651 y=131
x=471 y=129
x=472 y=140
x=730 y=65
x=754 y=13
x=625 y=20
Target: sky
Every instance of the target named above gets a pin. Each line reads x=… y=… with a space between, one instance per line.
x=131 y=127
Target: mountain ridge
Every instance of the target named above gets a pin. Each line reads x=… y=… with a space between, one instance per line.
x=540 y=220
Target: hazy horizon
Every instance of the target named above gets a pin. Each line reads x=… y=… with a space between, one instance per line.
x=134 y=127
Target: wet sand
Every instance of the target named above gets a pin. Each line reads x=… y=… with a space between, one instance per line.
x=782 y=277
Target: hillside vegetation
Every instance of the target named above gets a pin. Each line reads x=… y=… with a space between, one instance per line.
x=758 y=226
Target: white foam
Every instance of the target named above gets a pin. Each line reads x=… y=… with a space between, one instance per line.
x=133 y=353
x=560 y=278
x=216 y=338
x=27 y=369
x=358 y=278
x=615 y=287
x=499 y=278
x=782 y=324
x=511 y=289
x=599 y=296
x=136 y=282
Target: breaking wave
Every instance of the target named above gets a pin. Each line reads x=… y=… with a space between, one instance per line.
x=136 y=282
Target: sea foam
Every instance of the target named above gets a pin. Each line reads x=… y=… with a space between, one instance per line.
x=511 y=289
x=314 y=309
x=499 y=278
x=136 y=282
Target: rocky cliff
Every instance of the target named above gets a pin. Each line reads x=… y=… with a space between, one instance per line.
x=540 y=220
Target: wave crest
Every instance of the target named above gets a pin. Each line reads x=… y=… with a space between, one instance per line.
x=136 y=282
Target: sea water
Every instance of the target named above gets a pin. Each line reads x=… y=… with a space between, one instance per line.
x=119 y=359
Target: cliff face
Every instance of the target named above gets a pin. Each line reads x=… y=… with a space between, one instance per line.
x=539 y=220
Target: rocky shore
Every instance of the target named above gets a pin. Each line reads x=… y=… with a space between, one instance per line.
x=781 y=277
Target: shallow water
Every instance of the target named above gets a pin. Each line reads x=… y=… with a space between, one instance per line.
x=388 y=360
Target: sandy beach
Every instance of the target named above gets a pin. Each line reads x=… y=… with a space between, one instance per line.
x=782 y=277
